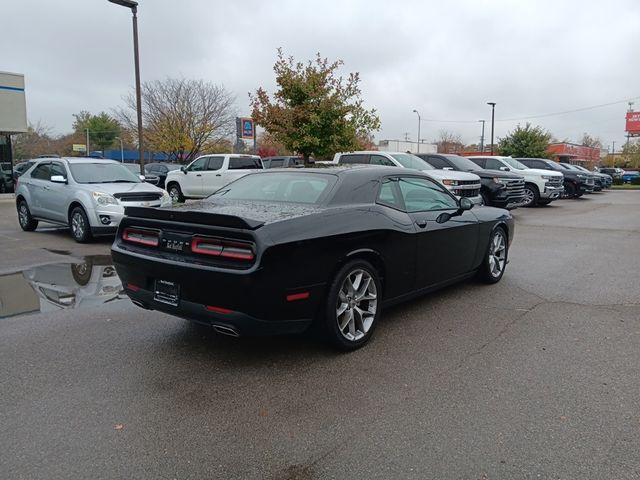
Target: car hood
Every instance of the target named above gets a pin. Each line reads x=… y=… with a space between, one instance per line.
x=112 y=188
x=538 y=171
x=451 y=175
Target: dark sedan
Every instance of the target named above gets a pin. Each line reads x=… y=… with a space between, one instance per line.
x=161 y=170
x=274 y=252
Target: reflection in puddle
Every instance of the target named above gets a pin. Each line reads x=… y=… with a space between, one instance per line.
x=47 y=288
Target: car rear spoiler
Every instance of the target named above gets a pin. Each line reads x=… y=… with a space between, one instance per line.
x=198 y=217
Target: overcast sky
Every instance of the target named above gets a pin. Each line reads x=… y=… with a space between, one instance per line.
x=445 y=59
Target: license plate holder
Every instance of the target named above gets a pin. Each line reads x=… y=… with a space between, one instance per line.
x=167 y=292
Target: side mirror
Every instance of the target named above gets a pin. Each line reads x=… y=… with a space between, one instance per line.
x=505 y=169
x=465 y=204
x=142 y=177
x=58 y=179
x=184 y=170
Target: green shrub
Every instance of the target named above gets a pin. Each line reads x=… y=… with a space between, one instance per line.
x=618 y=181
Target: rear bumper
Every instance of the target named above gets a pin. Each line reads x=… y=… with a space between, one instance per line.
x=232 y=323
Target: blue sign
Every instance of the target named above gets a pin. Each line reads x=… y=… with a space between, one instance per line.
x=247 y=128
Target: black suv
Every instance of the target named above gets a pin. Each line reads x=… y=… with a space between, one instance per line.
x=6 y=177
x=575 y=183
x=497 y=188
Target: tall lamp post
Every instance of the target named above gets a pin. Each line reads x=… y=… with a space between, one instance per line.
x=493 y=111
x=419 y=121
x=134 y=10
x=121 y=150
x=482 y=137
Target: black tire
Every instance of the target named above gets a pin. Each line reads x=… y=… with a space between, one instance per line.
x=531 y=195
x=487 y=272
x=175 y=192
x=485 y=199
x=27 y=222
x=569 y=190
x=3 y=187
x=79 y=224
x=359 y=327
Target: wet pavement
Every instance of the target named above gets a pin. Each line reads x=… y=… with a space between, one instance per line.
x=535 y=377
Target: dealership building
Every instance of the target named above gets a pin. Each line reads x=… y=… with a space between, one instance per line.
x=13 y=111
x=574 y=153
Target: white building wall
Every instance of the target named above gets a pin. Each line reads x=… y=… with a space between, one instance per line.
x=13 y=107
x=403 y=146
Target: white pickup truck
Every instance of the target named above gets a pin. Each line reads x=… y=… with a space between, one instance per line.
x=209 y=173
x=541 y=187
x=461 y=184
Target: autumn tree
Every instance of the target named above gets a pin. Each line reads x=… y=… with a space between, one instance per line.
x=589 y=141
x=449 y=142
x=631 y=154
x=37 y=140
x=314 y=111
x=527 y=141
x=103 y=128
x=182 y=118
x=268 y=146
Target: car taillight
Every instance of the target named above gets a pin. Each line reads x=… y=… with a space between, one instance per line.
x=150 y=238
x=218 y=247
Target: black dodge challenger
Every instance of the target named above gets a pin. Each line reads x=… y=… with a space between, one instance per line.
x=277 y=251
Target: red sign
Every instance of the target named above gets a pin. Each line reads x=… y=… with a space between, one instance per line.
x=633 y=123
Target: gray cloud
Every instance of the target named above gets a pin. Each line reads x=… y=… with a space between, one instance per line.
x=447 y=59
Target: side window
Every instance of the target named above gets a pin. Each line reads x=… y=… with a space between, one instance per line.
x=199 y=165
x=479 y=161
x=277 y=163
x=58 y=169
x=215 y=163
x=389 y=194
x=422 y=195
x=354 y=158
x=244 y=163
x=380 y=160
x=41 y=172
x=493 y=164
x=437 y=162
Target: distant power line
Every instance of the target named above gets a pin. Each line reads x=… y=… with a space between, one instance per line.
x=565 y=112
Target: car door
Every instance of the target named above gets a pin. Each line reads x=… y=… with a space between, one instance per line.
x=191 y=181
x=36 y=184
x=446 y=250
x=212 y=177
x=55 y=195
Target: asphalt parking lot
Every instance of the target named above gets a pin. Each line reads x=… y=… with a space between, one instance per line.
x=533 y=378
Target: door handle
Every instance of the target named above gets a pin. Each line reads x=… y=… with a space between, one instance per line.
x=218 y=174
x=421 y=223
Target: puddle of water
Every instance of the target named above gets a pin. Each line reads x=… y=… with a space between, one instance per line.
x=93 y=281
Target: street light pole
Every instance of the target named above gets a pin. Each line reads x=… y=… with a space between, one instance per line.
x=493 y=111
x=419 y=121
x=121 y=151
x=87 y=152
x=136 y=59
x=482 y=137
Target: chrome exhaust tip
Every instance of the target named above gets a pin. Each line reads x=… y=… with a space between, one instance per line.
x=226 y=330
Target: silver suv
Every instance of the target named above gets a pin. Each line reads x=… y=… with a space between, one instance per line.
x=86 y=194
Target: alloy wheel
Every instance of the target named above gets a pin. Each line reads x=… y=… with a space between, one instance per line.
x=174 y=193
x=77 y=225
x=357 y=305
x=497 y=255
x=23 y=215
x=528 y=196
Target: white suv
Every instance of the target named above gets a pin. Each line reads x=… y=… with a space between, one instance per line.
x=461 y=184
x=541 y=187
x=209 y=173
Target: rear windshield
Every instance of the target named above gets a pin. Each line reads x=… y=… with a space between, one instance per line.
x=462 y=163
x=102 y=173
x=408 y=160
x=278 y=187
